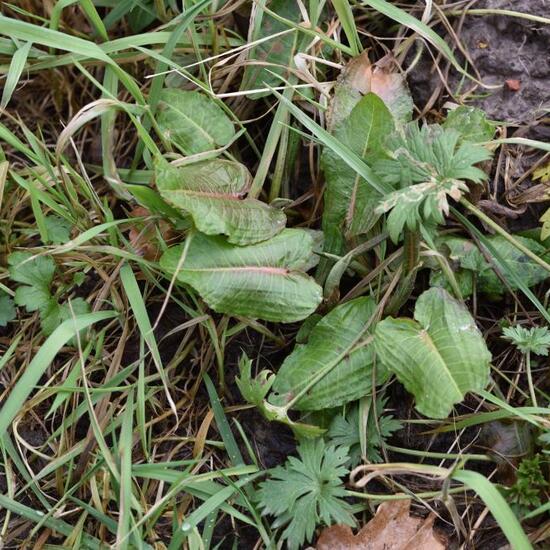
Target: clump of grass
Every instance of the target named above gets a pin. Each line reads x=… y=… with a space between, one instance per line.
x=161 y=200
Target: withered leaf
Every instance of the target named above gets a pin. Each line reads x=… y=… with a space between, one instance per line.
x=392 y=528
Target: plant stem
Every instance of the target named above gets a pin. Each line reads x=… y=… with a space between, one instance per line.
x=447 y=456
x=403 y=496
x=509 y=13
x=411 y=246
x=530 y=379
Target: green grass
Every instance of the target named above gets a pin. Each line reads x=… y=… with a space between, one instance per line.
x=123 y=426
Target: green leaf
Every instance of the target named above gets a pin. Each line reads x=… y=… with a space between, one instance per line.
x=463 y=278
x=529 y=340
x=7 y=310
x=334 y=345
x=276 y=53
x=38 y=271
x=253 y=390
x=469 y=257
x=471 y=123
x=17 y=65
x=545 y=229
x=358 y=78
x=528 y=270
x=36 y=275
x=214 y=193
x=307 y=491
x=53 y=314
x=428 y=164
x=193 y=121
x=59 y=229
x=345 y=430
x=266 y=280
x=439 y=357
x=349 y=200
x=32 y=298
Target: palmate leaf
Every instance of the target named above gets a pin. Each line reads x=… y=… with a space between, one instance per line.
x=25 y=269
x=439 y=356
x=266 y=280
x=349 y=200
x=332 y=346
x=36 y=275
x=7 y=309
x=59 y=229
x=214 y=193
x=307 y=491
x=529 y=340
x=53 y=314
x=193 y=121
x=345 y=430
x=428 y=164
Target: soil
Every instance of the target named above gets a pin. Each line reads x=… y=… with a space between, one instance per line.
x=510 y=52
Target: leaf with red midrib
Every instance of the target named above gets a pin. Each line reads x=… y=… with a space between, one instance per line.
x=214 y=193
x=265 y=280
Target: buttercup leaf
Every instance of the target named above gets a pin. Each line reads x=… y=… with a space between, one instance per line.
x=471 y=123
x=7 y=309
x=25 y=269
x=307 y=490
x=54 y=314
x=427 y=166
x=214 y=193
x=59 y=229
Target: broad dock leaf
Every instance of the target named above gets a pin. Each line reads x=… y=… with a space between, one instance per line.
x=332 y=345
x=214 y=193
x=266 y=280
x=349 y=200
x=274 y=56
x=439 y=356
x=193 y=121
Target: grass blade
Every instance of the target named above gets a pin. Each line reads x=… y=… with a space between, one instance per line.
x=17 y=65
x=41 y=361
x=504 y=516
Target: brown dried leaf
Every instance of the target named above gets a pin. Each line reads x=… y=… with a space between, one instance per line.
x=359 y=77
x=392 y=528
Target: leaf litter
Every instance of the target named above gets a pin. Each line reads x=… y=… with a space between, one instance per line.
x=391 y=528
